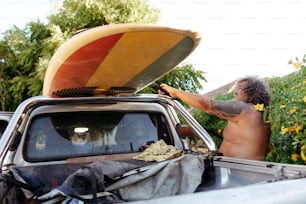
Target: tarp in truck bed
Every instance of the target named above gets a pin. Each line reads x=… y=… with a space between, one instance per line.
x=113 y=180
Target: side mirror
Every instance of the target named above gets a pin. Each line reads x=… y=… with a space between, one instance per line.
x=185 y=131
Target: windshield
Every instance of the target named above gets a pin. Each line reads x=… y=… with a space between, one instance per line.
x=65 y=135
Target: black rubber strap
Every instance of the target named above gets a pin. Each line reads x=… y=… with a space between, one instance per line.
x=11 y=180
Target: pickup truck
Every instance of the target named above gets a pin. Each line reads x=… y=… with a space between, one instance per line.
x=121 y=146
x=88 y=148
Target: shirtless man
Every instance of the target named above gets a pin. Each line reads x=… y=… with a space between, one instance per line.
x=246 y=134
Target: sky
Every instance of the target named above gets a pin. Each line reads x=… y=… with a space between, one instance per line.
x=20 y=12
x=238 y=37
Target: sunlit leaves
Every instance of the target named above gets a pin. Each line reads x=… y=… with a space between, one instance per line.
x=183 y=77
x=287 y=117
x=79 y=14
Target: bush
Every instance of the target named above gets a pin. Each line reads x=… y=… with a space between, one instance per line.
x=287 y=117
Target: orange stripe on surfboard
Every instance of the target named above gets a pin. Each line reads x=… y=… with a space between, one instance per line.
x=127 y=51
x=88 y=57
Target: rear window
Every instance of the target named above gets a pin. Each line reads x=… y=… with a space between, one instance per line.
x=66 y=135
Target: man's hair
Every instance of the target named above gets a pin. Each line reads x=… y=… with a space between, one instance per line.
x=256 y=90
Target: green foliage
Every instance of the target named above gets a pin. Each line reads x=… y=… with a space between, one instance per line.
x=287 y=116
x=184 y=77
x=25 y=53
x=5 y=101
x=75 y=15
x=19 y=51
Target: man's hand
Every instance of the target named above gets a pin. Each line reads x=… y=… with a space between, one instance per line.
x=167 y=90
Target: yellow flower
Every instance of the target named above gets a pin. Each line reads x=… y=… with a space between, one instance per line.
x=297 y=65
x=219 y=131
x=270 y=154
x=284 y=130
x=294 y=87
x=282 y=106
x=303 y=153
x=259 y=107
x=304 y=99
x=291 y=129
x=293 y=99
x=294 y=156
x=298 y=128
x=293 y=110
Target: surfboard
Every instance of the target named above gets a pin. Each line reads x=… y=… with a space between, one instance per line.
x=116 y=58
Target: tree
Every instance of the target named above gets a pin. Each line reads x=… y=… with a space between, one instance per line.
x=25 y=53
x=19 y=51
x=184 y=77
x=75 y=15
